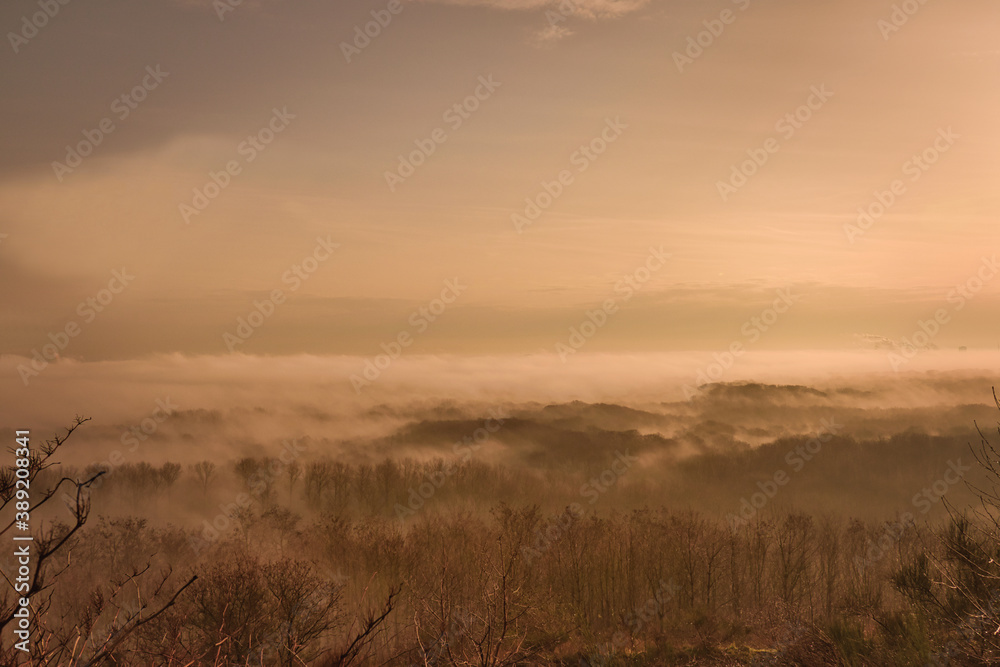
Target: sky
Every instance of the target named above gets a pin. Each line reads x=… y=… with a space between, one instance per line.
x=697 y=168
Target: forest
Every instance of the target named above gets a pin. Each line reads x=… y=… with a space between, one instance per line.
x=600 y=558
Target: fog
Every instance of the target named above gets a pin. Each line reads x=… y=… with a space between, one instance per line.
x=554 y=415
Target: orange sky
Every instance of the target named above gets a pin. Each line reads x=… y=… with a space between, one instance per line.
x=559 y=78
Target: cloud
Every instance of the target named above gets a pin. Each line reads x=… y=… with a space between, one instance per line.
x=570 y=417
x=551 y=34
x=119 y=390
x=589 y=9
x=976 y=54
x=223 y=7
x=876 y=342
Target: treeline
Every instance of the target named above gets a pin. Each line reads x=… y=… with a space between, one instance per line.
x=864 y=478
x=390 y=488
x=521 y=587
x=456 y=562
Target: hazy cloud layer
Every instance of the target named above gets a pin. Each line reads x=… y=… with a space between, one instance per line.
x=657 y=185
x=592 y=9
x=230 y=404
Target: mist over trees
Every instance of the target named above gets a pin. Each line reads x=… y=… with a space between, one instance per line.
x=612 y=550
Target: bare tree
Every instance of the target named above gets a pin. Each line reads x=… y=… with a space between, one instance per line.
x=363 y=631
x=170 y=472
x=294 y=472
x=970 y=567
x=307 y=606
x=50 y=543
x=204 y=471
